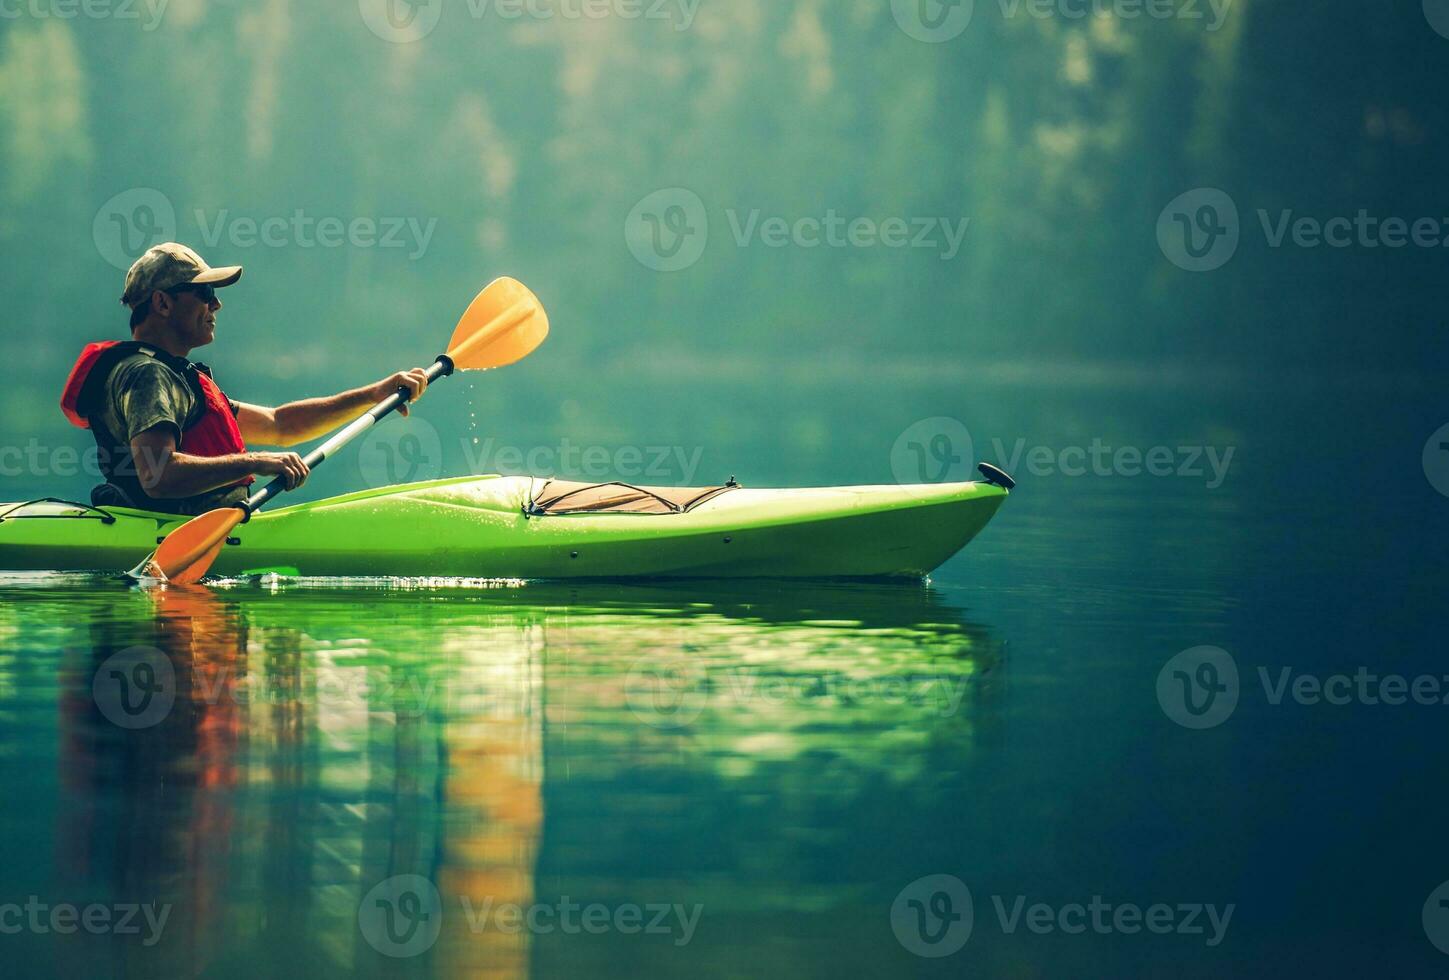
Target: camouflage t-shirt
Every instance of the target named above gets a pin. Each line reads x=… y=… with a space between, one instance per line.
x=143 y=394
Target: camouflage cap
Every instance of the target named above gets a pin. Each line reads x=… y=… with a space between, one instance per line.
x=169 y=265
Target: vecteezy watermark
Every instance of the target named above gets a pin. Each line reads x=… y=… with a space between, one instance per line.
x=413 y=452
x=1212 y=13
x=936 y=21
x=132 y=221
x=39 y=459
x=409 y=452
x=667 y=231
x=1200 y=688
x=589 y=462
x=934 y=450
x=674 y=693
x=1436 y=918
x=595 y=918
x=1436 y=12
x=401 y=21
x=135 y=688
x=1436 y=460
x=97 y=919
x=940 y=450
x=404 y=21
x=148 y=12
x=1199 y=231
x=402 y=916
x=832 y=230
x=1209 y=463
x=1362 y=687
x=301 y=230
x=933 y=21
x=679 y=14
x=1104 y=918
x=933 y=917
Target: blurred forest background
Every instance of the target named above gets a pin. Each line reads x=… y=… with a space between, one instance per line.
x=526 y=142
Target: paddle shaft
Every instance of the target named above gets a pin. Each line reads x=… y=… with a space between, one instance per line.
x=440 y=368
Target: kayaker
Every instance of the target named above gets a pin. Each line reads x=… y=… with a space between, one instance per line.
x=169 y=440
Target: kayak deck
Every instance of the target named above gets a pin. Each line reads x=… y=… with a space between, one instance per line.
x=479 y=528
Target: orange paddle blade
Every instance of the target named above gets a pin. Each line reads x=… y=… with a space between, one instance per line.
x=503 y=324
x=187 y=553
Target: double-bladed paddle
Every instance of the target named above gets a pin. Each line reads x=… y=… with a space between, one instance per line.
x=503 y=324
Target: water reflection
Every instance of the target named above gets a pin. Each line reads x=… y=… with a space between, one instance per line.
x=724 y=748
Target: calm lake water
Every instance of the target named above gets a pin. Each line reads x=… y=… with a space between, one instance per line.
x=745 y=779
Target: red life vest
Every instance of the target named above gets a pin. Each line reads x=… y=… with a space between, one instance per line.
x=214 y=433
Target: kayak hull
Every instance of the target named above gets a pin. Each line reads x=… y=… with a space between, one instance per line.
x=477 y=528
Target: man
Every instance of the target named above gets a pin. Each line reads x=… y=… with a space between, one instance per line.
x=169 y=440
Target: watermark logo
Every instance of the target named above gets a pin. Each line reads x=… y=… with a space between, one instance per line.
x=1436 y=918
x=401 y=916
x=568 y=459
x=1436 y=12
x=936 y=21
x=1198 y=688
x=408 y=452
x=1103 y=918
x=401 y=21
x=1199 y=231
x=933 y=916
x=1436 y=460
x=933 y=21
x=135 y=688
x=934 y=450
x=130 y=223
x=833 y=230
x=413 y=452
x=63 y=918
x=39 y=459
x=571 y=918
x=680 y=12
x=302 y=230
x=666 y=694
x=668 y=230
x=940 y=450
x=148 y=12
x=140 y=217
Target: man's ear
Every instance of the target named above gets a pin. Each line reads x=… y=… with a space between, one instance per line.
x=161 y=302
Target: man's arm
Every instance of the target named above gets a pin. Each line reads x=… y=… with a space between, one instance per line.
x=303 y=421
x=166 y=474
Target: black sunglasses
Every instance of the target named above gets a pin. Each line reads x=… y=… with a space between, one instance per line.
x=202 y=291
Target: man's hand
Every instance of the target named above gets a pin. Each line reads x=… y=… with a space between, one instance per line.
x=289 y=466
x=415 y=381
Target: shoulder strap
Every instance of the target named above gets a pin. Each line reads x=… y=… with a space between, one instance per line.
x=100 y=372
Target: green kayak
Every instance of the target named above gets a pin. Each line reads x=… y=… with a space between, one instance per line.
x=517 y=527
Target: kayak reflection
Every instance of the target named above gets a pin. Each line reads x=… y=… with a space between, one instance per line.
x=400 y=778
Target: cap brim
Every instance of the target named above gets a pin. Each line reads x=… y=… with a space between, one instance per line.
x=224 y=276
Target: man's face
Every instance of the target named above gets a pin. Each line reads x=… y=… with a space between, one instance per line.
x=193 y=314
